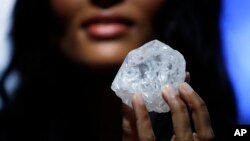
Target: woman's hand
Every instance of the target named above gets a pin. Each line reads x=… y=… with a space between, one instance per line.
x=137 y=125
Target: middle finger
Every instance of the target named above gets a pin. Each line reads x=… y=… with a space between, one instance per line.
x=180 y=116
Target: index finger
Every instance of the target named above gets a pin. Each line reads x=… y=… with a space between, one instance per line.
x=144 y=128
x=199 y=112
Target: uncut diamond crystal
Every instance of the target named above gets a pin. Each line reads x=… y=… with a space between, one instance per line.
x=145 y=71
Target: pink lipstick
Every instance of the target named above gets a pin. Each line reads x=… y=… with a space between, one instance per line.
x=107 y=27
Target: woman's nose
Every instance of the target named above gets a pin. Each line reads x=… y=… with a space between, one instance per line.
x=105 y=3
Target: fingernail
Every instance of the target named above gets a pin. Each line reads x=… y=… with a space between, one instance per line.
x=186 y=87
x=187 y=79
x=168 y=91
x=139 y=99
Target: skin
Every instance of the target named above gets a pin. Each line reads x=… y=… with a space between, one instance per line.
x=79 y=45
x=138 y=126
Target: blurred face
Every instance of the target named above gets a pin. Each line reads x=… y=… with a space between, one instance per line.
x=102 y=32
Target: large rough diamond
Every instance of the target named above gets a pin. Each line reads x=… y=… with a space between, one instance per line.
x=145 y=70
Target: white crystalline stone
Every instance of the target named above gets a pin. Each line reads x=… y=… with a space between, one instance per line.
x=145 y=70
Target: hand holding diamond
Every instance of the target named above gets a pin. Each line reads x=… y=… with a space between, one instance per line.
x=137 y=125
x=152 y=79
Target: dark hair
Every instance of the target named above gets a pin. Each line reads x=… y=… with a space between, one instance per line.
x=189 y=26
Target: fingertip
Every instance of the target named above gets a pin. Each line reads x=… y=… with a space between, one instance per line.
x=187 y=78
x=137 y=100
x=164 y=91
x=134 y=97
x=186 y=88
x=134 y=101
x=168 y=92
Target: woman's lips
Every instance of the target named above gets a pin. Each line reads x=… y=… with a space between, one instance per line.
x=107 y=27
x=107 y=30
